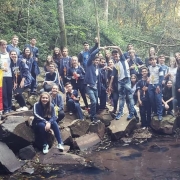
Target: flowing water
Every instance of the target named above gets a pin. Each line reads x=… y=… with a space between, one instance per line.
x=157 y=159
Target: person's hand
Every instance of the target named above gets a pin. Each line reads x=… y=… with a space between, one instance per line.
x=48 y=126
x=166 y=106
x=73 y=77
x=178 y=90
x=96 y=40
x=15 y=85
x=21 y=84
x=132 y=67
x=24 y=60
x=163 y=82
x=140 y=102
x=158 y=90
x=145 y=88
x=101 y=48
x=78 y=75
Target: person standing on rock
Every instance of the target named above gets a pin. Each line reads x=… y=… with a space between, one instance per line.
x=84 y=55
x=124 y=83
x=57 y=101
x=21 y=79
x=143 y=99
x=92 y=81
x=45 y=120
x=155 y=87
x=7 y=77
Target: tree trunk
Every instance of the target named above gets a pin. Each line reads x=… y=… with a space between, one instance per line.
x=62 y=23
x=106 y=6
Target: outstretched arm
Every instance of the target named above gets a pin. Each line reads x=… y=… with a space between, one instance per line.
x=117 y=48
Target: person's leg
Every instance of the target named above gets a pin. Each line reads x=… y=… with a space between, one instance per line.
x=83 y=94
x=115 y=100
x=142 y=111
x=4 y=91
x=151 y=92
x=103 y=98
x=61 y=115
x=158 y=101
x=93 y=101
x=79 y=111
x=70 y=105
x=55 y=128
x=9 y=92
x=148 y=113
x=35 y=82
x=20 y=100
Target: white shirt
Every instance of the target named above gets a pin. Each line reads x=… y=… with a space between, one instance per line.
x=5 y=63
x=155 y=72
x=173 y=72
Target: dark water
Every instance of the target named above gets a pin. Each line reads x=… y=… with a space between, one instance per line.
x=158 y=159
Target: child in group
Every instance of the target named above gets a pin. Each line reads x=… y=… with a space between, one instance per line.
x=48 y=62
x=76 y=76
x=57 y=101
x=45 y=120
x=72 y=101
x=168 y=98
x=143 y=99
x=21 y=79
x=51 y=78
x=155 y=87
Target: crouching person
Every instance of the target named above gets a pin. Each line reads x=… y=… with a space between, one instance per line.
x=72 y=101
x=57 y=101
x=45 y=120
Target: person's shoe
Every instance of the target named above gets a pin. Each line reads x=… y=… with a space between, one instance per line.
x=24 y=108
x=60 y=147
x=160 y=118
x=70 y=113
x=170 y=113
x=144 y=128
x=119 y=115
x=5 y=112
x=130 y=116
x=153 y=114
x=10 y=111
x=137 y=119
x=18 y=110
x=45 y=148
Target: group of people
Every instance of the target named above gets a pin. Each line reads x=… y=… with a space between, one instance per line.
x=104 y=74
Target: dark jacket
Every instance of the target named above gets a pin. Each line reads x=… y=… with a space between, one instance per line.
x=178 y=79
x=23 y=70
x=38 y=111
x=65 y=64
x=68 y=96
x=52 y=77
x=137 y=61
x=103 y=78
x=58 y=101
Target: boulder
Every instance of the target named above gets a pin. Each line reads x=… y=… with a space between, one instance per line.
x=105 y=117
x=98 y=128
x=27 y=153
x=67 y=121
x=165 y=126
x=79 y=128
x=21 y=113
x=66 y=136
x=16 y=133
x=8 y=161
x=58 y=158
x=142 y=134
x=32 y=99
x=120 y=128
x=87 y=141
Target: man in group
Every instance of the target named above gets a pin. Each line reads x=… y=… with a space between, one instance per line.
x=84 y=55
x=14 y=45
x=124 y=84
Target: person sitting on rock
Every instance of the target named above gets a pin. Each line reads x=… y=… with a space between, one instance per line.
x=72 y=101
x=51 y=78
x=143 y=99
x=57 y=101
x=21 y=79
x=76 y=76
x=168 y=98
x=45 y=120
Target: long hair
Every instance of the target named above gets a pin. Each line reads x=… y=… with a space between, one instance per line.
x=24 y=55
x=57 y=56
x=47 y=107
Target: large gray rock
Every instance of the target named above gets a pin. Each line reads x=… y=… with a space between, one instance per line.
x=16 y=133
x=105 y=117
x=165 y=126
x=87 y=141
x=66 y=136
x=120 y=128
x=21 y=113
x=8 y=161
x=142 y=134
x=98 y=128
x=27 y=153
x=79 y=128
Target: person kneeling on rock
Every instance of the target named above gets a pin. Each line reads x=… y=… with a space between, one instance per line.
x=57 y=101
x=72 y=101
x=45 y=120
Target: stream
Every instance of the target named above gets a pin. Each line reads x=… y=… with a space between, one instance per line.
x=156 y=159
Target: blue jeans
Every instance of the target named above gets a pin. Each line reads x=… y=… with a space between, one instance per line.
x=103 y=99
x=75 y=107
x=93 y=95
x=124 y=88
x=155 y=99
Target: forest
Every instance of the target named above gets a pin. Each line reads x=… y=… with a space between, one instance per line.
x=144 y=23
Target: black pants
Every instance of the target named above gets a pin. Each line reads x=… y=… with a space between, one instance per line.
x=103 y=98
x=7 y=93
x=61 y=115
x=115 y=97
x=145 y=113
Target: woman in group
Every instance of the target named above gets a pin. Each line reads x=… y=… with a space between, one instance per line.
x=57 y=101
x=45 y=120
x=57 y=55
x=49 y=61
x=21 y=79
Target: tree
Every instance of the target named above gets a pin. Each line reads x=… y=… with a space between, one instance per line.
x=62 y=23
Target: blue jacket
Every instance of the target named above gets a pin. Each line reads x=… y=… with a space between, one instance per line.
x=52 y=77
x=65 y=64
x=137 y=61
x=38 y=111
x=68 y=96
x=24 y=72
x=58 y=101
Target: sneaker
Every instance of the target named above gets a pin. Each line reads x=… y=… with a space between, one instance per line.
x=24 y=108
x=137 y=119
x=45 y=148
x=11 y=111
x=70 y=113
x=153 y=114
x=170 y=113
x=160 y=118
x=5 y=112
x=119 y=115
x=60 y=147
x=18 y=110
x=130 y=116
